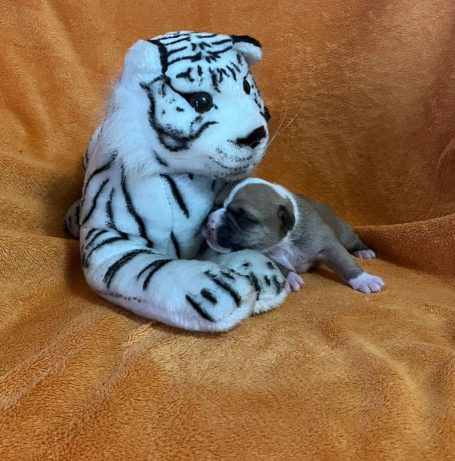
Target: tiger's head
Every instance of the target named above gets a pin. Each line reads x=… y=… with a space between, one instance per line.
x=187 y=101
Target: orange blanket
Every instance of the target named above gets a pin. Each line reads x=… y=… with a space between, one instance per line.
x=331 y=374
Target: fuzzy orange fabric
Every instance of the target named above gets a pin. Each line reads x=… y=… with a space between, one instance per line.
x=331 y=374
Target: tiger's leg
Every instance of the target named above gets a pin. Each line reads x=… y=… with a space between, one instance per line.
x=72 y=224
x=72 y=219
x=190 y=294
x=262 y=273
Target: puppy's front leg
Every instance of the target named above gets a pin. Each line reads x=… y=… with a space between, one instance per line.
x=339 y=259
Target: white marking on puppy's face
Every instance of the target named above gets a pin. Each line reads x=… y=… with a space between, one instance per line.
x=276 y=187
x=209 y=232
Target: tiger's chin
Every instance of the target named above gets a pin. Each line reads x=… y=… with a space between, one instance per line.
x=230 y=177
x=229 y=172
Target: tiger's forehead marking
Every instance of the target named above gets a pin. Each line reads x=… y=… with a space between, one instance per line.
x=193 y=47
x=207 y=56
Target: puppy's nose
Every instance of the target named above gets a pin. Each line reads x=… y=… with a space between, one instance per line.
x=252 y=139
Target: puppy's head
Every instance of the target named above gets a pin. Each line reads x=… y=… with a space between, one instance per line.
x=256 y=215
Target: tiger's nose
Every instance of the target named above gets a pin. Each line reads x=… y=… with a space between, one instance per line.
x=252 y=139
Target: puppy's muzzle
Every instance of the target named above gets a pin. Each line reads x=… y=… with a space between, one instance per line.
x=209 y=232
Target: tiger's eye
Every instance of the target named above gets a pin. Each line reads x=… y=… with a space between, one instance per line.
x=246 y=86
x=201 y=102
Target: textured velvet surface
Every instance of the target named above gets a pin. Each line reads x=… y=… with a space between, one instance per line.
x=331 y=374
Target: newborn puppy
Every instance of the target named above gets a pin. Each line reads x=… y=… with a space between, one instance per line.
x=296 y=232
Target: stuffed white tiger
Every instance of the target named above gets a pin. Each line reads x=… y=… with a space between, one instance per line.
x=184 y=118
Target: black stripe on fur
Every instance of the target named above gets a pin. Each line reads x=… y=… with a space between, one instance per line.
x=209 y=296
x=95 y=200
x=97 y=247
x=198 y=308
x=278 y=286
x=114 y=268
x=255 y=283
x=224 y=286
x=192 y=58
x=214 y=80
x=163 y=55
x=132 y=210
x=90 y=232
x=99 y=170
x=88 y=244
x=160 y=160
x=247 y=39
x=177 y=195
x=175 y=50
x=176 y=244
x=178 y=40
x=154 y=268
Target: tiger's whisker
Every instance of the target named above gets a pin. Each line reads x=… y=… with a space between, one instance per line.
x=280 y=124
x=287 y=125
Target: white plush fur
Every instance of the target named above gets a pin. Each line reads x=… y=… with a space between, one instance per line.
x=153 y=168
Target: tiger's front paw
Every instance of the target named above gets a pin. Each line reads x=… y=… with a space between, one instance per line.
x=263 y=275
x=221 y=295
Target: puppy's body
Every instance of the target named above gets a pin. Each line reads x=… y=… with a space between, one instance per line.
x=297 y=232
x=319 y=235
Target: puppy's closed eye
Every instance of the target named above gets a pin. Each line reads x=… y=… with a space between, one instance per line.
x=241 y=216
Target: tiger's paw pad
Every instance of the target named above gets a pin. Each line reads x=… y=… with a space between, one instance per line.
x=367 y=283
x=293 y=282
x=365 y=254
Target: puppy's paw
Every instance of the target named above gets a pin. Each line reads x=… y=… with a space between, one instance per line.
x=293 y=282
x=365 y=254
x=367 y=283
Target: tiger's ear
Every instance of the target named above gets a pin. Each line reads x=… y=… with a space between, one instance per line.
x=249 y=47
x=142 y=62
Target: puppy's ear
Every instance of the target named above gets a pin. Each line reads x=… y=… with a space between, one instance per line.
x=287 y=218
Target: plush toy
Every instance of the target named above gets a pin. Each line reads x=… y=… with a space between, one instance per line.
x=184 y=119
